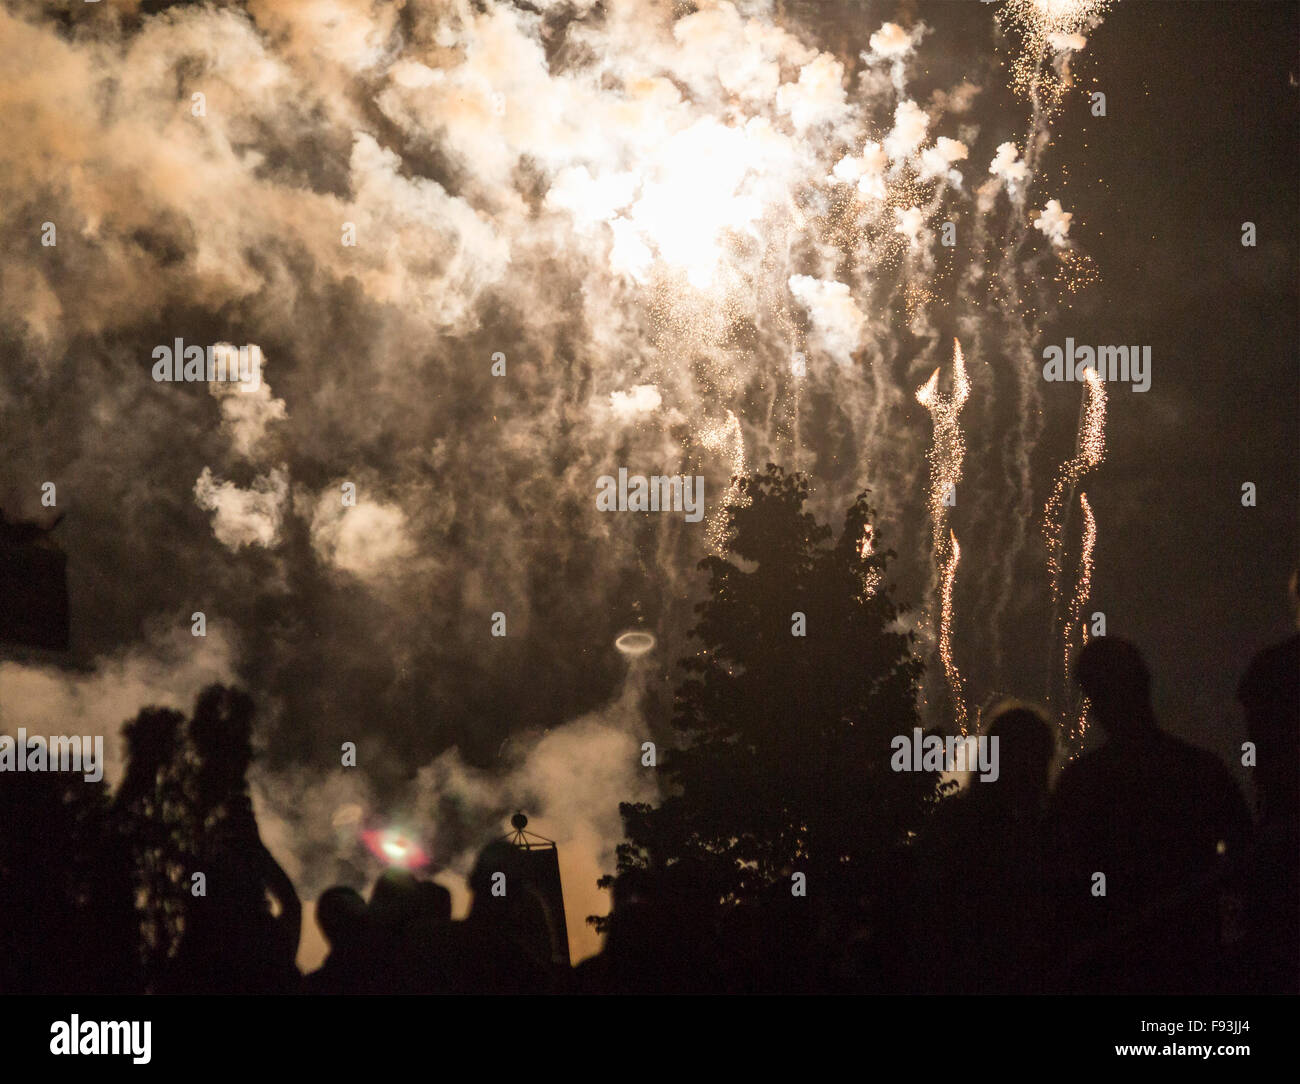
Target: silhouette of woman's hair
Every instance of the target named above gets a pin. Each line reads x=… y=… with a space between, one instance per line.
x=1027 y=741
x=395 y=898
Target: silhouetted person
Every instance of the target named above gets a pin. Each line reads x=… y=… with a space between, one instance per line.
x=1270 y=696
x=232 y=942
x=494 y=949
x=395 y=899
x=1163 y=821
x=426 y=938
x=434 y=904
x=341 y=916
x=394 y=906
x=981 y=917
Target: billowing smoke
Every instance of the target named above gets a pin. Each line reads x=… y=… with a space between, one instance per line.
x=166 y=669
x=488 y=254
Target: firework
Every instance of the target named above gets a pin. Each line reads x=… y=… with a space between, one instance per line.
x=955 y=688
x=1048 y=30
x=1081 y=592
x=873 y=577
x=1089 y=452
x=395 y=848
x=725 y=437
x=946 y=455
x=1075 y=272
x=645 y=210
x=948 y=449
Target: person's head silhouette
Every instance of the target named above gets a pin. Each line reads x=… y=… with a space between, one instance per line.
x=1026 y=746
x=341 y=915
x=433 y=903
x=395 y=899
x=494 y=861
x=1114 y=677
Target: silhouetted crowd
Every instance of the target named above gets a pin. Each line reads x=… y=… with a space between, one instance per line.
x=1140 y=870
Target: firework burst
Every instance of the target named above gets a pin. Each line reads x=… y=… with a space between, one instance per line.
x=1049 y=31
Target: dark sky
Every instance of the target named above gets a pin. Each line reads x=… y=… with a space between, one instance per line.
x=1202 y=134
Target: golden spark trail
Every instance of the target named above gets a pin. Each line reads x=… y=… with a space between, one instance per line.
x=725 y=437
x=946 y=455
x=1049 y=33
x=948 y=449
x=871 y=580
x=1081 y=592
x=1089 y=452
x=950 y=670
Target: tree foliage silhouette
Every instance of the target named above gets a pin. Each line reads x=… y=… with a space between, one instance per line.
x=785 y=763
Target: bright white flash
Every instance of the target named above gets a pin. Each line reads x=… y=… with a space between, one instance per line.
x=695 y=193
x=683 y=199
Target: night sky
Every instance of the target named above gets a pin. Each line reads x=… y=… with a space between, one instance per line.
x=1202 y=137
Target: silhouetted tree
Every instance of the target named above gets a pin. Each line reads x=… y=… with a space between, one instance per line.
x=786 y=762
x=152 y=828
